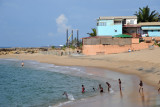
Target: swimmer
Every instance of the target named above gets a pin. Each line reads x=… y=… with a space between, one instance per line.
x=94 y=89
x=65 y=93
x=141 y=86
x=109 y=86
x=119 y=84
x=83 y=89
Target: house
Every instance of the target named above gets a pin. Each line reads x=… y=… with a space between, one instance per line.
x=151 y=29
x=110 y=26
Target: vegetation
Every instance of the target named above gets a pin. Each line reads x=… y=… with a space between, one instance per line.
x=53 y=47
x=145 y=15
x=94 y=33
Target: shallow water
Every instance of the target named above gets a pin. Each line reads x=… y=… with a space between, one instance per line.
x=41 y=85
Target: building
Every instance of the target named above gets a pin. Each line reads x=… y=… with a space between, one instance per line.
x=110 y=26
x=102 y=45
x=151 y=29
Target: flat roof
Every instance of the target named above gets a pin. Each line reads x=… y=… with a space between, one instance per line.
x=117 y=17
x=97 y=37
x=149 y=24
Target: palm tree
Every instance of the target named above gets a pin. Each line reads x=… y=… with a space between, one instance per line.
x=144 y=15
x=94 y=33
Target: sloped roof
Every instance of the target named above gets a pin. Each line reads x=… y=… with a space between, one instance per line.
x=149 y=24
x=117 y=17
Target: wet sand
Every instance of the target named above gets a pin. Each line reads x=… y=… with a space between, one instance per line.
x=128 y=97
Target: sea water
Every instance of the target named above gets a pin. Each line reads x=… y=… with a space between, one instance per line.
x=40 y=84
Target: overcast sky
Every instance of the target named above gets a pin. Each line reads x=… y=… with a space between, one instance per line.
x=34 y=23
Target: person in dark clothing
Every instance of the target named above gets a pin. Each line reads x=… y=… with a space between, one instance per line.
x=119 y=84
x=109 y=86
x=101 y=88
x=141 y=86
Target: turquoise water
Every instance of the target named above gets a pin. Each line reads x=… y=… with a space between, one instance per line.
x=40 y=85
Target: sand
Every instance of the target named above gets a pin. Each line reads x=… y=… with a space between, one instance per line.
x=144 y=63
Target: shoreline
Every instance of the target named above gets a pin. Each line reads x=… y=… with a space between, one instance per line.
x=78 y=103
x=142 y=63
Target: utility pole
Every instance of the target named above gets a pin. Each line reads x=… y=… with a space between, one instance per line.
x=72 y=37
x=67 y=38
x=77 y=38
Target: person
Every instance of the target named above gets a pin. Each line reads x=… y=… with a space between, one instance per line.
x=93 y=89
x=109 y=86
x=83 y=89
x=101 y=88
x=119 y=84
x=22 y=64
x=141 y=86
x=65 y=93
x=159 y=86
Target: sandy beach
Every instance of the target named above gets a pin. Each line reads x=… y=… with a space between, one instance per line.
x=145 y=64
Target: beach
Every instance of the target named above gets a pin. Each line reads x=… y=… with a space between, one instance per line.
x=144 y=63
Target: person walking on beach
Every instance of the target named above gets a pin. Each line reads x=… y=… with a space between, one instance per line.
x=83 y=89
x=159 y=86
x=141 y=86
x=119 y=84
x=101 y=88
x=109 y=86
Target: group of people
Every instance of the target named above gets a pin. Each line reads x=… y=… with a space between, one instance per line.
x=119 y=81
x=100 y=88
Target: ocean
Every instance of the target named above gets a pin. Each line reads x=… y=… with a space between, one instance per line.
x=42 y=85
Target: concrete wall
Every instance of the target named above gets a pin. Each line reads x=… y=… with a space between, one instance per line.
x=110 y=49
x=109 y=29
x=107 y=41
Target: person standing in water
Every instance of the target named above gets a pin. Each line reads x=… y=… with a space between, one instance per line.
x=141 y=86
x=119 y=84
x=101 y=88
x=22 y=64
x=83 y=89
x=109 y=86
x=159 y=86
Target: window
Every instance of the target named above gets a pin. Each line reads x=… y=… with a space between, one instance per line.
x=117 y=22
x=101 y=24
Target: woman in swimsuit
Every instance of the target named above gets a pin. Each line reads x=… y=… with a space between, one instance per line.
x=141 y=86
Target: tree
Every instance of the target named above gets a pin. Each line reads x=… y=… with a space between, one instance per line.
x=145 y=15
x=94 y=33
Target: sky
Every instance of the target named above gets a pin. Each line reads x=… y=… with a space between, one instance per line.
x=36 y=23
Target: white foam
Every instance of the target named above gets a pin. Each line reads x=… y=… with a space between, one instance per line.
x=70 y=97
x=61 y=104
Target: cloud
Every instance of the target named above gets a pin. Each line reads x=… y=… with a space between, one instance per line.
x=62 y=24
x=50 y=34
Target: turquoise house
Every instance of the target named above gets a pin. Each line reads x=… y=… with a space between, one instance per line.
x=151 y=29
x=110 y=26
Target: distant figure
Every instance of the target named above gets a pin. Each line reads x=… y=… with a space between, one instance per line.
x=141 y=86
x=119 y=84
x=94 y=89
x=159 y=86
x=101 y=88
x=22 y=64
x=129 y=50
x=65 y=93
x=109 y=86
x=83 y=89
